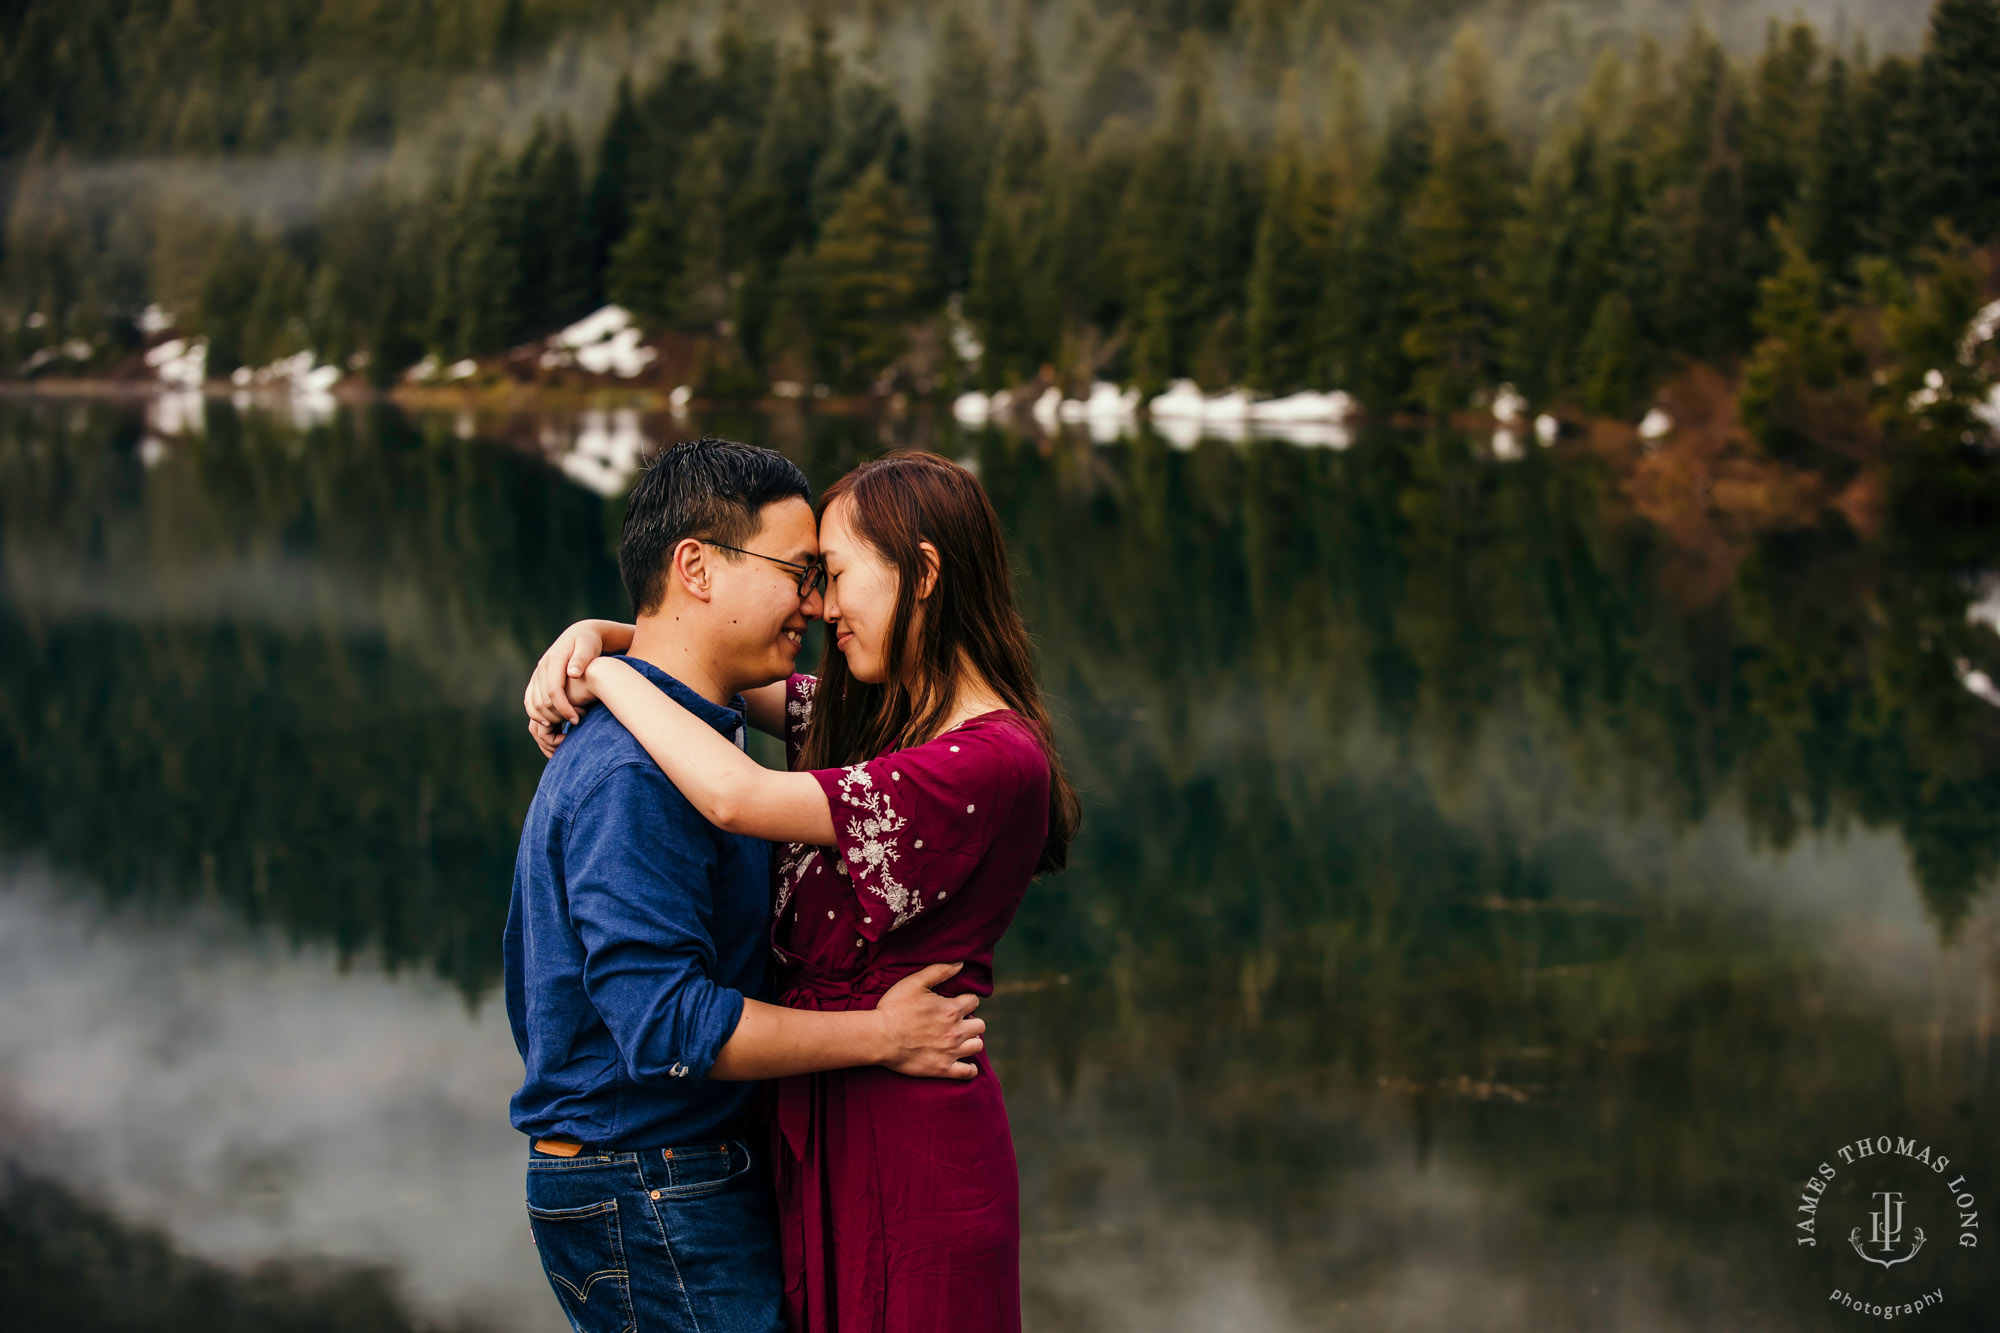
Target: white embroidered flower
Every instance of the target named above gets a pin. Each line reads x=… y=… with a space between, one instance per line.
x=792 y=872
x=873 y=839
x=799 y=707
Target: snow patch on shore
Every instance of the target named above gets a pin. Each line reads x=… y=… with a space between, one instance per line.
x=604 y=342
x=180 y=363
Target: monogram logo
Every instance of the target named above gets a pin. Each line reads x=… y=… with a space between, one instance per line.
x=1885 y=1229
x=1909 y=1185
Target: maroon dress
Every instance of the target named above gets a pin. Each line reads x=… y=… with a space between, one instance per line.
x=898 y=1198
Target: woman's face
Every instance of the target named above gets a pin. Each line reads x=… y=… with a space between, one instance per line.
x=860 y=594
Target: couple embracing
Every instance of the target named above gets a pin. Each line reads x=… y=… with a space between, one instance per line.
x=756 y=1094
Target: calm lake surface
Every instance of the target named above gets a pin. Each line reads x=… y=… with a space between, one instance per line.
x=1486 y=917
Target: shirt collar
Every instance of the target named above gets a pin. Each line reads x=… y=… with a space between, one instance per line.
x=726 y=719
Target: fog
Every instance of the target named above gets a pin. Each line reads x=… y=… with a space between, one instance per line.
x=1542 y=53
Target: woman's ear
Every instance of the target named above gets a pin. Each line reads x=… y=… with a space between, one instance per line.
x=927 y=581
x=689 y=568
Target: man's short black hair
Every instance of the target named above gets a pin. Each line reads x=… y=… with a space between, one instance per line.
x=706 y=488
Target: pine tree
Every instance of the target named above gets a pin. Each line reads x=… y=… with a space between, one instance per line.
x=865 y=281
x=1837 y=202
x=476 y=306
x=228 y=295
x=1117 y=80
x=773 y=213
x=1566 y=251
x=1289 y=271
x=1895 y=141
x=1610 y=370
x=556 y=284
x=644 y=274
x=1369 y=289
x=619 y=151
x=868 y=129
x=1798 y=354
x=1221 y=248
x=1691 y=243
x=1774 y=149
x=1455 y=234
x=701 y=195
x=1959 y=96
x=1925 y=311
x=1164 y=267
x=953 y=142
x=1010 y=301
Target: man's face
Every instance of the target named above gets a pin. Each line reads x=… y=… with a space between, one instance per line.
x=762 y=619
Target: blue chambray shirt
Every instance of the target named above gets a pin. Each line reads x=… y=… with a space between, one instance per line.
x=635 y=931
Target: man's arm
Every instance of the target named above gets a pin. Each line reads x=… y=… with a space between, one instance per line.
x=912 y=1030
x=638 y=864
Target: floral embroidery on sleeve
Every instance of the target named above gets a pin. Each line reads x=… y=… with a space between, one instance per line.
x=792 y=872
x=873 y=843
x=798 y=708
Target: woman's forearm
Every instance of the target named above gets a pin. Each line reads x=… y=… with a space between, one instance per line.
x=730 y=789
x=615 y=635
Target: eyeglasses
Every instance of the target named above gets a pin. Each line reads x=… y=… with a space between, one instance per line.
x=812 y=574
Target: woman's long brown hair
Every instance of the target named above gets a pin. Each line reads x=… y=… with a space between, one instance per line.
x=898 y=501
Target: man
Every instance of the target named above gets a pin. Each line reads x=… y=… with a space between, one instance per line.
x=636 y=944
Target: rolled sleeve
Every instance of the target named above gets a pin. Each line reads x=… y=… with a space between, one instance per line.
x=640 y=865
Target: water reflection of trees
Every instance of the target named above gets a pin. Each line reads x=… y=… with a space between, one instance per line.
x=1392 y=757
x=1262 y=610
x=280 y=668
x=271 y=670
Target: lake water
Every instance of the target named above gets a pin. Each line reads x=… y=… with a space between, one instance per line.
x=1487 y=917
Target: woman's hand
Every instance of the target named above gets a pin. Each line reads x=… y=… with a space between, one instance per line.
x=556 y=692
x=579 y=696
x=725 y=786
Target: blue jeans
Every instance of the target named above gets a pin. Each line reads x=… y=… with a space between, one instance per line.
x=665 y=1240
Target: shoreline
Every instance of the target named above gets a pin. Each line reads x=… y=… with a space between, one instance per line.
x=1704 y=485
x=515 y=397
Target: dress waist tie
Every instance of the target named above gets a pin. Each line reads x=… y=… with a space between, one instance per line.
x=809 y=989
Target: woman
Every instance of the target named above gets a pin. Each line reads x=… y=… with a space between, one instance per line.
x=926 y=793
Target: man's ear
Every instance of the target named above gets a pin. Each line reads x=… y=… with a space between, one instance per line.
x=927 y=580
x=688 y=566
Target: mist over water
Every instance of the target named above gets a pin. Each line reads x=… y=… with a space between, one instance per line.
x=1435 y=954
x=1543 y=54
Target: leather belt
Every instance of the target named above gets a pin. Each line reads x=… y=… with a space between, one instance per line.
x=562 y=1145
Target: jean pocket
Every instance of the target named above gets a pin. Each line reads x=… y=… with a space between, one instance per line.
x=583 y=1254
x=693 y=1172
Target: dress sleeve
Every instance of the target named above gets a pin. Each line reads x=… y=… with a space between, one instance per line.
x=798 y=712
x=910 y=827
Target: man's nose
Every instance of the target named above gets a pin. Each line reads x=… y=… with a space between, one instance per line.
x=813 y=606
